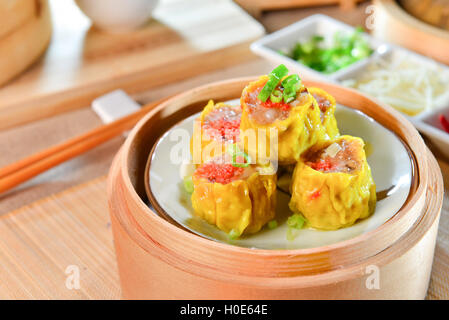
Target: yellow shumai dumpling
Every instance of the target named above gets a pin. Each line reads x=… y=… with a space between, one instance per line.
x=216 y=128
x=327 y=104
x=237 y=200
x=298 y=124
x=332 y=185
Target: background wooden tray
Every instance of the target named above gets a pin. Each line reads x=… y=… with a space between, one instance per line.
x=257 y=6
x=41 y=240
x=82 y=63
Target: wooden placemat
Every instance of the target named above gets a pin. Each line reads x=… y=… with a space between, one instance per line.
x=83 y=62
x=40 y=243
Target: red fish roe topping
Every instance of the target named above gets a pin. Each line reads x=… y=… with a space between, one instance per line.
x=315 y=194
x=345 y=160
x=322 y=165
x=223 y=129
x=223 y=123
x=216 y=172
x=278 y=105
x=274 y=105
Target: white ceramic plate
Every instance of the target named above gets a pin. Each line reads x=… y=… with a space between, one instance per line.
x=390 y=164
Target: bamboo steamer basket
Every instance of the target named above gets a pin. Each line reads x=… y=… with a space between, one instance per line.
x=434 y=12
x=392 y=23
x=159 y=260
x=29 y=33
x=14 y=13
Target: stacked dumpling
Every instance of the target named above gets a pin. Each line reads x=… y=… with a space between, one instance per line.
x=327 y=104
x=236 y=199
x=228 y=190
x=217 y=127
x=295 y=120
x=332 y=186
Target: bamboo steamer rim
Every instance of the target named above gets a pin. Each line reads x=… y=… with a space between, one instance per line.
x=391 y=7
x=193 y=249
x=395 y=25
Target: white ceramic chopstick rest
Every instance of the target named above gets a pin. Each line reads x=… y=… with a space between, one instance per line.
x=114 y=105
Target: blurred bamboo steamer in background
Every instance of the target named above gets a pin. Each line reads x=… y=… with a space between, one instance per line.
x=434 y=12
x=421 y=26
x=25 y=32
x=14 y=13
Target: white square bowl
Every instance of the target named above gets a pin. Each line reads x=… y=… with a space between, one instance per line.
x=318 y=24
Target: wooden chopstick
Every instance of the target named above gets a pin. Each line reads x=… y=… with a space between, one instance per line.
x=29 y=167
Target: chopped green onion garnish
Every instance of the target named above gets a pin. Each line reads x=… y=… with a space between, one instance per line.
x=293 y=82
x=330 y=56
x=296 y=221
x=318 y=38
x=291 y=85
x=233 y=234
x=279 y=72
x=235 y=152
x=272 y=224
x=276 y=96
x=358 y=29
x=292 y=233
x=188 y=184
x=241 y=165
x=268 y=89
x=274 y=77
